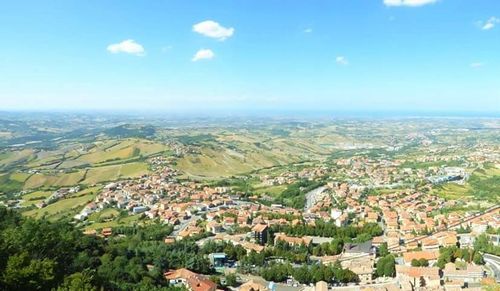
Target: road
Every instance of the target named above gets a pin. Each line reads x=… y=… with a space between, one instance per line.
x=312 y=197
x=494 y=263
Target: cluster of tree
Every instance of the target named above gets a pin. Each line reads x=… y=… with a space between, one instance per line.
x=492 y=230
x=463 y=230
x=43 y=255
x=294 y=194
x=483 y=244
x=309 y=274
x=329 y=229
x=283 y=250
x=383 y=250
x=231 y=280
x=232 y=252
x=386 y=266
x=328 y=249
x=276 y=215
x=420 y=263
x=293 y=253
x=450 y=254
x=484 y=187
x=237 y=184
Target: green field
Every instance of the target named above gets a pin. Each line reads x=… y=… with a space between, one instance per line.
x=482 y=184
x=35 y=197
x=65 y=208
x=121 y=221
x=273 y=191
x=115 y=172
x=58 y=180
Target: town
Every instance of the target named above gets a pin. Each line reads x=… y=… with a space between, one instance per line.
x=399 y=239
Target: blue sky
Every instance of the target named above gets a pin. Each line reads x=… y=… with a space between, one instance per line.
x=251 y=55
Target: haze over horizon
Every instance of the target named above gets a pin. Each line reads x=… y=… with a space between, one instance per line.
x=402 y=56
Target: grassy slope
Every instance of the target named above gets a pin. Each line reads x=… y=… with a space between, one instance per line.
x=65 y=207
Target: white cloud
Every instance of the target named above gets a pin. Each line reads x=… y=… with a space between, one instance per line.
x=341 y=60
x=489 y=24
x=411 y=3
x=213 y=29
x=203 y=54
x=476 y=65
x=128 y=46
x=308 y=30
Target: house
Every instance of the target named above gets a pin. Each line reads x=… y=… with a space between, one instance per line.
x=362 y=267
x=471 y=276
x=430 y=256
x=139 y=209
x=108 y=231
x=364 y=274
x=430 y=243
x=321 y=286
x=214 y=227
x=253 y=285
x=294 y=241
x=361 y=249
x=446 y=238
x=466 y=240
x=249 y=247
x=217 y=260
x=417 y=277
x=260 y=233
x=191 y=280
x=169 y=240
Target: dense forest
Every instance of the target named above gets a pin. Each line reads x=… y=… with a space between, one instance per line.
x=43 y=255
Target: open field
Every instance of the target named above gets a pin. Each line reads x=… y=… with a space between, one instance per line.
x=483 y=184
x=35 y=197
x=108 y=213
x=273 y=191
x=58 y=180
x=128 y=220
x=11 y=158
x=65 y=207
x=114 y=172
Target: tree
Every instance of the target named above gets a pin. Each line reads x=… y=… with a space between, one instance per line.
x=23 y=273
x=383 y=250
x=386 y=266
x=419 y=263
x=231 y=280
x=302 y=275
x=478 y=259
x=77 y=281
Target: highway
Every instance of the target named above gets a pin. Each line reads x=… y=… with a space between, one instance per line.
x=312 y=197
x=494 y=263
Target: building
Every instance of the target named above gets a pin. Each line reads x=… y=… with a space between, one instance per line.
x=470 y=277
x=139 y=209
x=191 y=280
x=411 y=278
x=253 y=285
x=361 y=249
x=293 y=241
x=218 y=260
x=430 y=256
x=430 y=243
x=260 y=233
x=321 y=286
